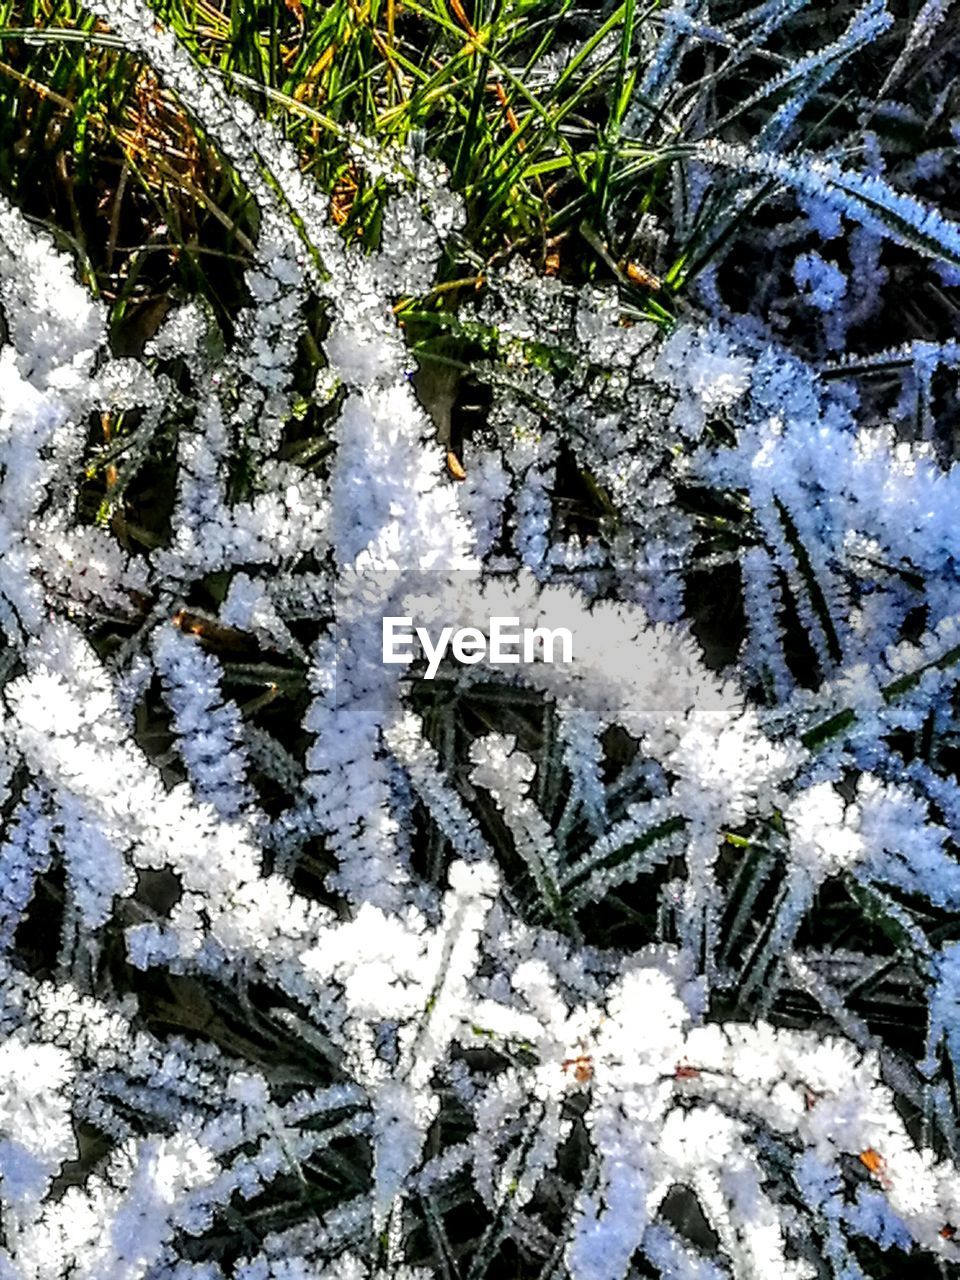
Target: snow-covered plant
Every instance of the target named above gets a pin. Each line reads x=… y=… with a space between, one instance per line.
x=640 y=963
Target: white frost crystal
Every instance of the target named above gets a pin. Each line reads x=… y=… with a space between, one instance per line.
x=294 y=968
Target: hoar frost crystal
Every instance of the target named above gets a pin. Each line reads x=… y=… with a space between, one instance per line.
x=394 y=997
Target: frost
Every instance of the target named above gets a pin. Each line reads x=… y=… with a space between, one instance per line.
x=309 y=955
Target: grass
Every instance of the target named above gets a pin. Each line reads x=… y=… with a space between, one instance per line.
x=553 y=164
x=92 y=143
x=539 y=108
x=544 y=111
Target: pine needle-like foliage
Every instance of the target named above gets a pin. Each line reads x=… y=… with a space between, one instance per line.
x=641 y=962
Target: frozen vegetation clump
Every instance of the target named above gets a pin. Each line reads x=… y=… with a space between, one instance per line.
x=643 y=965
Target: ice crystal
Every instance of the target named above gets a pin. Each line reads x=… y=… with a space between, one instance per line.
x=339 y=951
